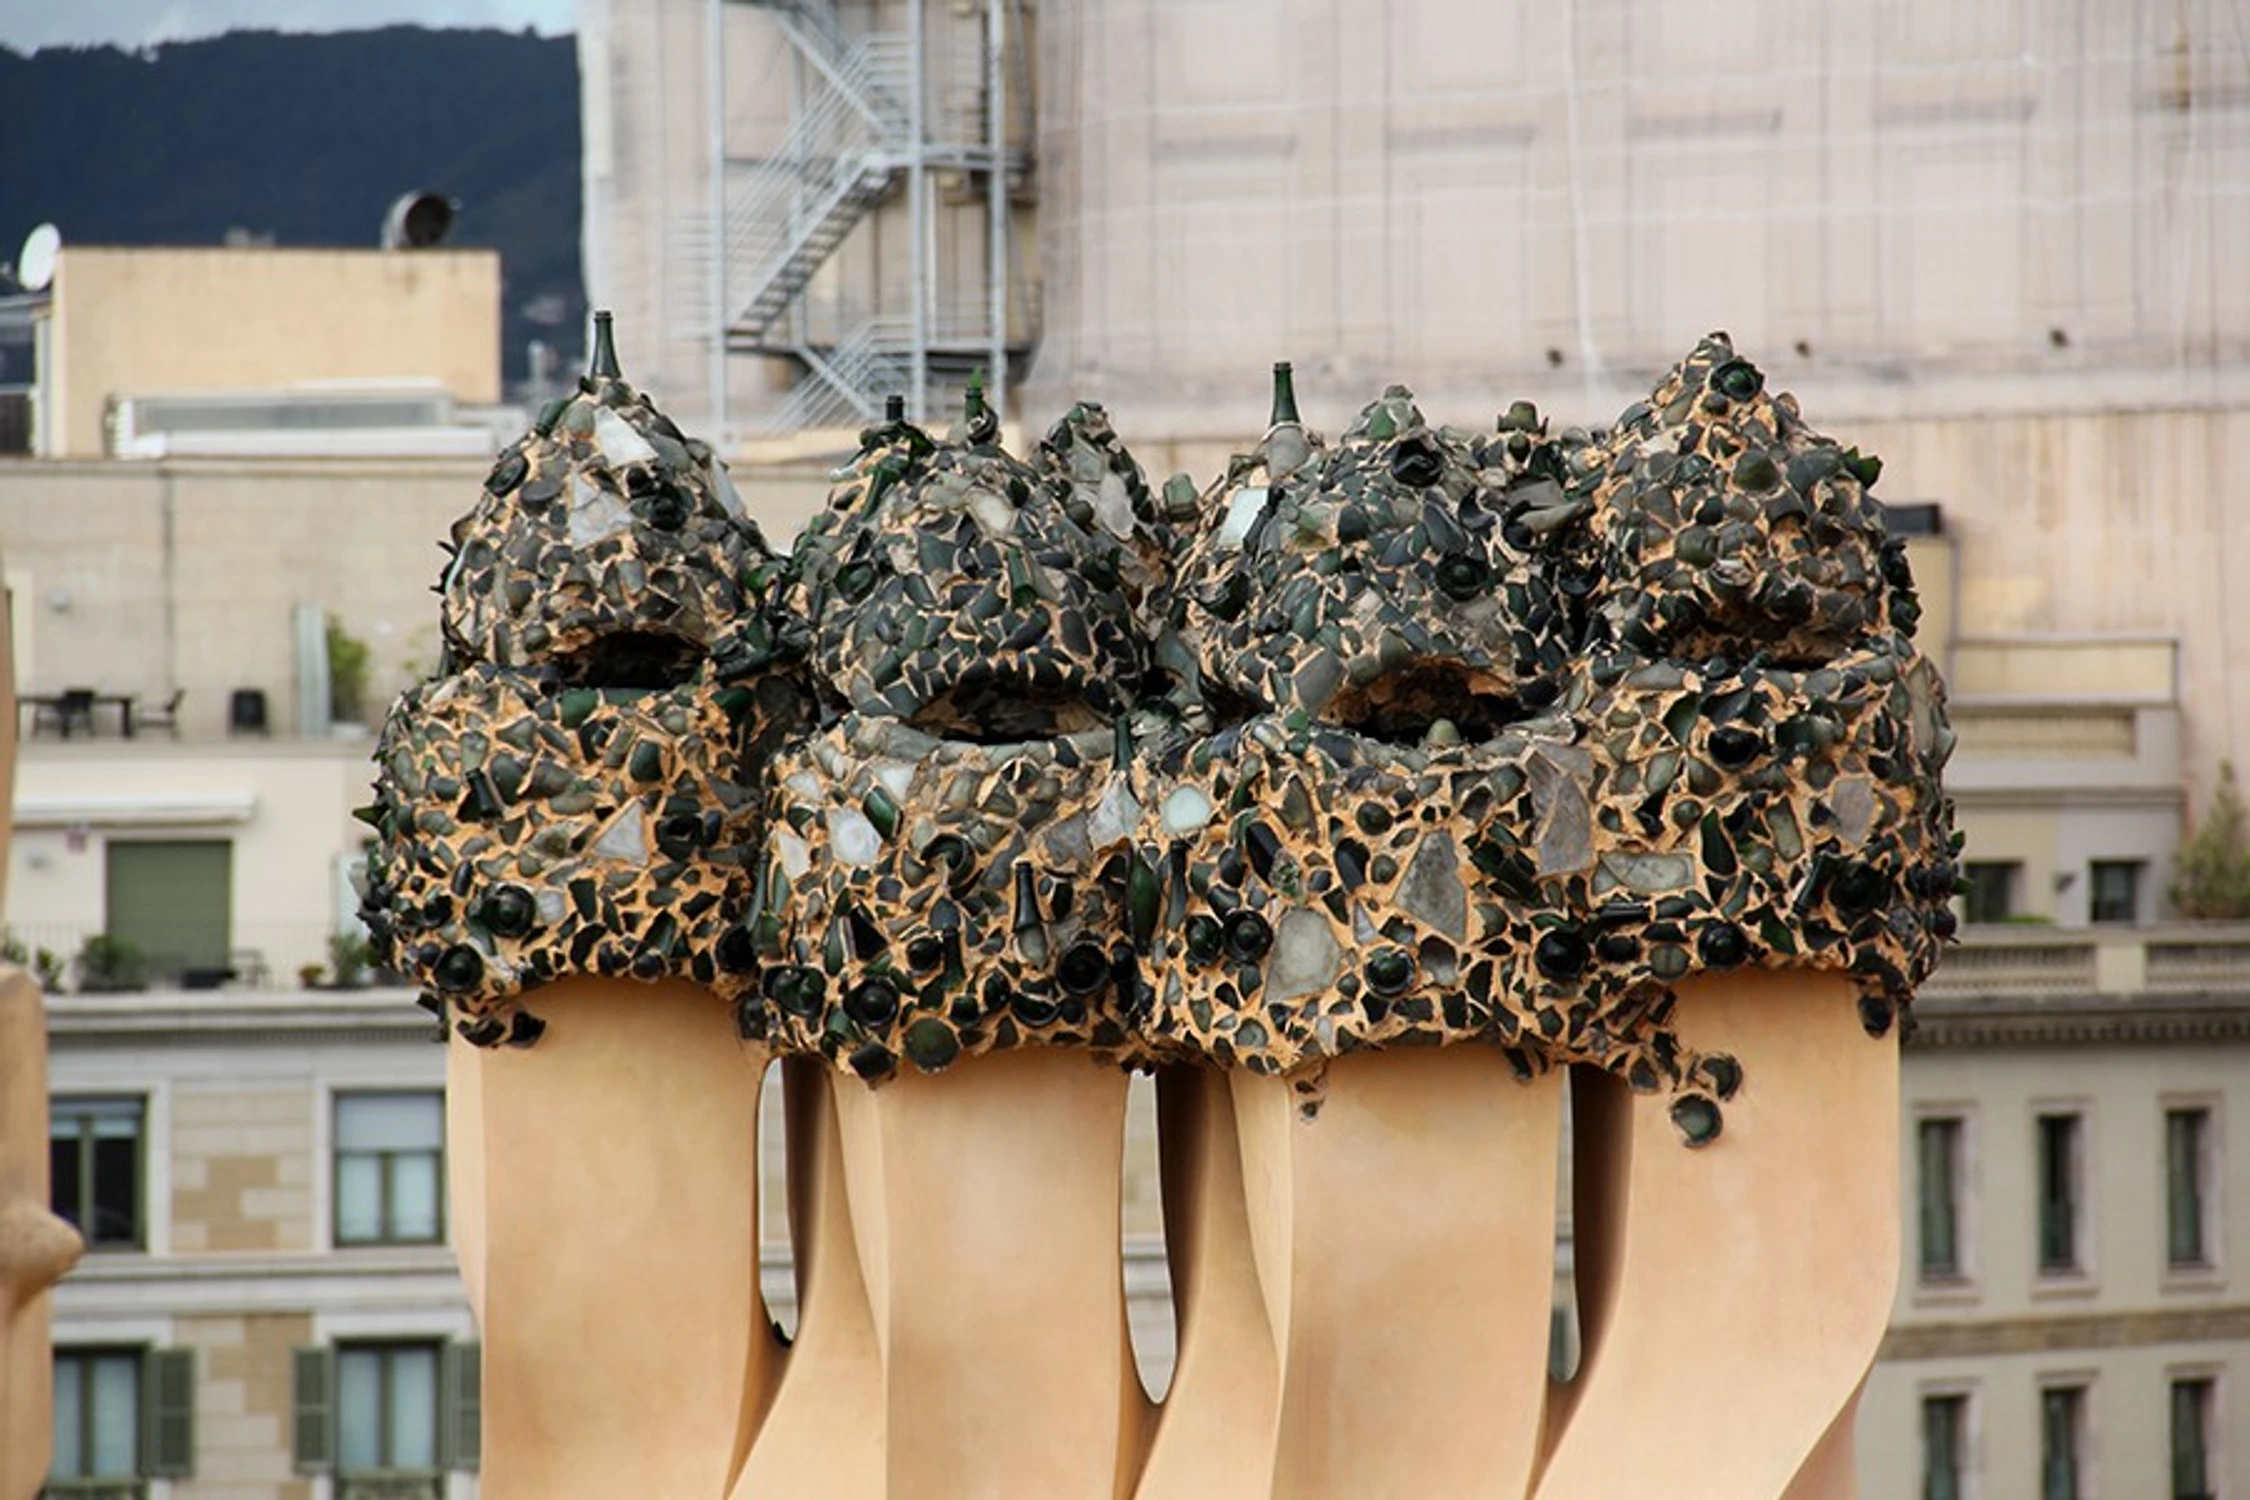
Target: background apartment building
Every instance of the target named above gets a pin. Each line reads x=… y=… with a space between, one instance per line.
x=268 y=1307
x=2070 y=1318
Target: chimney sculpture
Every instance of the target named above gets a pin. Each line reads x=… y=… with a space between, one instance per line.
x=1371 y=798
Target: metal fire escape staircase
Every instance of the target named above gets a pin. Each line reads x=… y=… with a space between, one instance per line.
x=858 y=133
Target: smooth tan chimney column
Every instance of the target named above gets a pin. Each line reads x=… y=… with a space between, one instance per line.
x=627 y=1350
x=985 y=1204
x=825 y=1434
x=1737 y=1293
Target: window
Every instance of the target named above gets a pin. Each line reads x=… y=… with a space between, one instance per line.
x=97 y=1414
x=386 y=1408
x=2187 y=1134
x=2058 y=1192
x=2062 y=1414
x=1945 y=1431
x=2191 y=1440
x=1992 y=890
x=1939 y=1197
x=94 y=1162
x=173 y=900
x=2117 y=890
x=390 y=1156
x=121 y=1415
x=387 y=1419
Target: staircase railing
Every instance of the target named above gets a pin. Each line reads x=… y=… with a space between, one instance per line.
x=848 y=381
x=794 y=207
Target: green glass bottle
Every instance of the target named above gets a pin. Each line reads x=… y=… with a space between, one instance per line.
x=603 y=365
x=1284 y=395
x=1287 y=445
x=979 y=425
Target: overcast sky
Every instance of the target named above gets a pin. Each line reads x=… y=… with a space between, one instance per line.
x=29 y=24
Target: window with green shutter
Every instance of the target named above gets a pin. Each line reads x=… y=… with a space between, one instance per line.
x=388 y=1418
x=463 y=1403
x=2114 y=887
x=2191 y=1440
x=121 y=1416
x=2062 y=1414
x=1992 y=889
x=1938 y=1197
x=168 y=1412
x=173 y=900
x=1945 y=1432
x=2186 y=1140
x=312 y=1385
x=2059 y=1136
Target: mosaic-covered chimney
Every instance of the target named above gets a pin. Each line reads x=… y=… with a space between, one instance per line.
x=1372 y=796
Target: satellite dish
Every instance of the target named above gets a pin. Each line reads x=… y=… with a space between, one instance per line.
x=417 y=221
x=35 y=263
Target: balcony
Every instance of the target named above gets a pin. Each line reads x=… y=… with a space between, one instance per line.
x=2038 y=715
x=2181 y=982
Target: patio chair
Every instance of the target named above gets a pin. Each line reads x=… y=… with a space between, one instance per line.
x=70 y=710
x=246 y=711
x=166 y=717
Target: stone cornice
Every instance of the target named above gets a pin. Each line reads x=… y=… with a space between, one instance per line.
x=377 y=1015
x=2017 y=1021
x=2036 y=1335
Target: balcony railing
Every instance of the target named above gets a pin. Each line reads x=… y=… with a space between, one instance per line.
x=2117 y=669
x=259 y=956
x=95 y=1489
x=2030 y=963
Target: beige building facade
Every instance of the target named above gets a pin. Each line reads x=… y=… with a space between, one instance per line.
x=2069 y=1300
x=120 y=323
x=268 y=1309
x=2071 y=1317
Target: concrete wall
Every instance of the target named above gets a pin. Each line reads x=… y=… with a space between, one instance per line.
x=2105 y=519
x=141 y=578
x=1444 y=191
x=155 y=321
x=1990 y=242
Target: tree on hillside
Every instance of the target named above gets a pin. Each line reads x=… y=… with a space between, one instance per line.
x=2211 y=882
